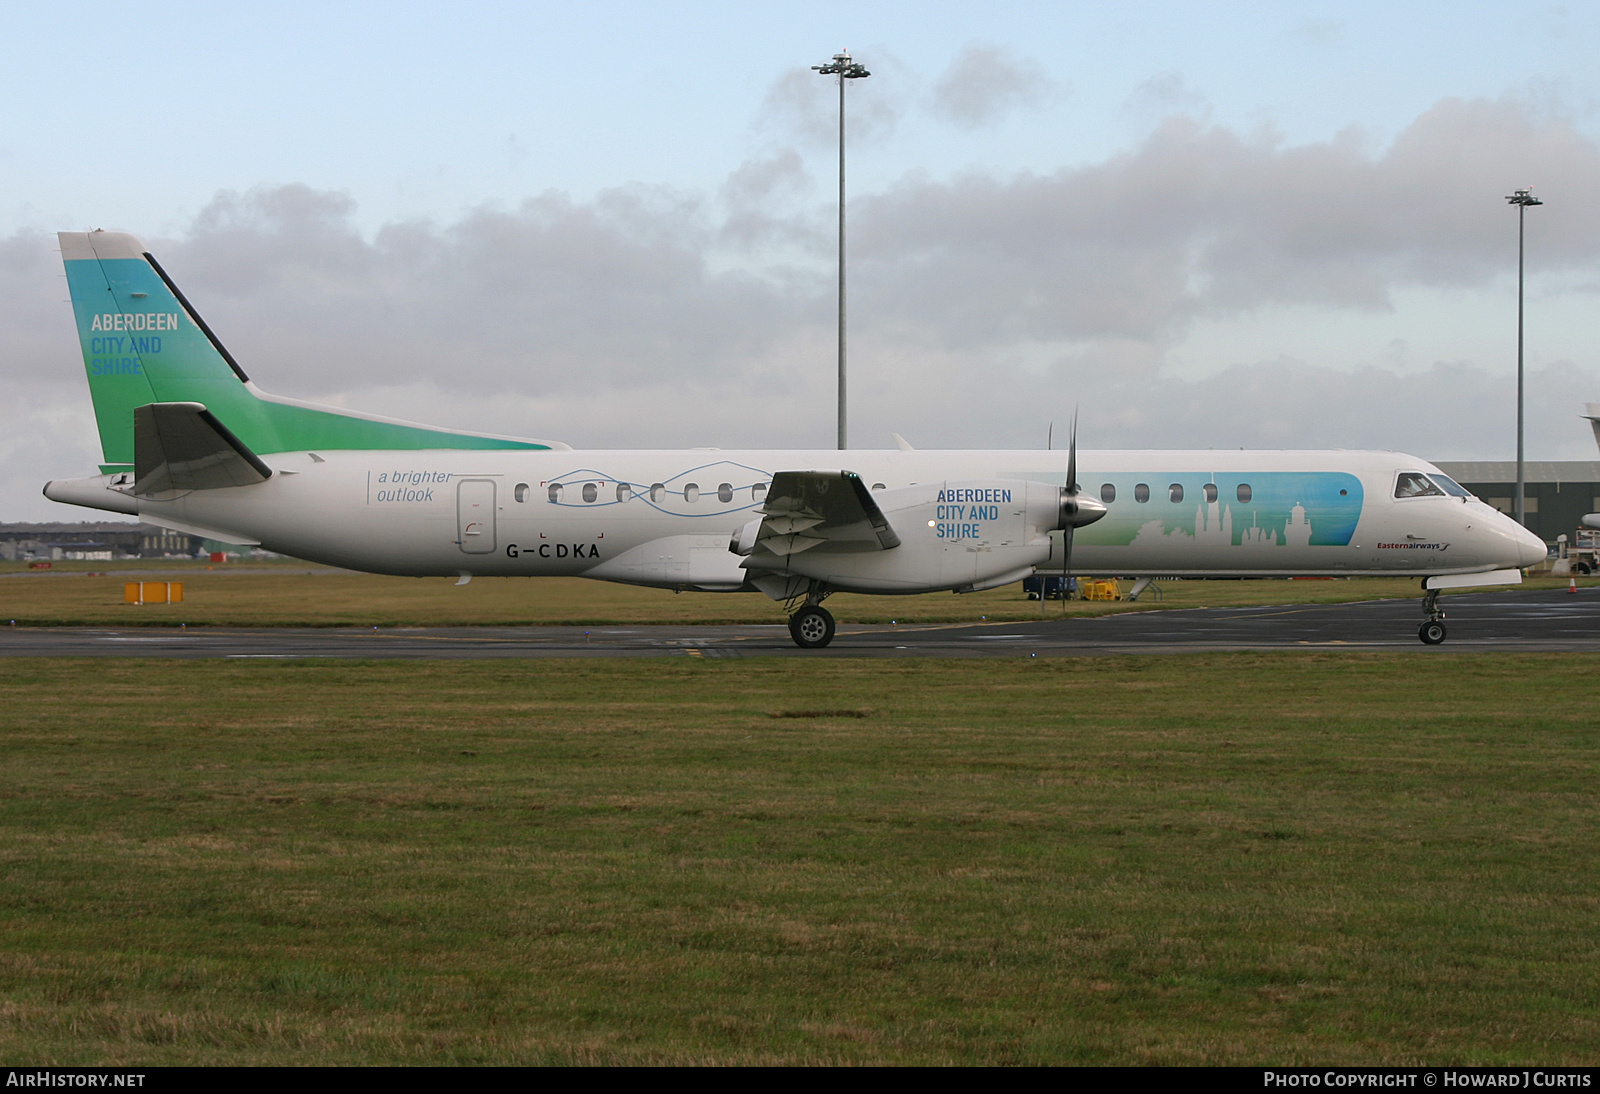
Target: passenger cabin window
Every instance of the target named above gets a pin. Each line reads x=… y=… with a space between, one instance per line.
x=1141 y=492
x=521 y=492
x=658 y=492
x=1243 y=493
x=624 y=491
x=725 y=492
x=1175 y=492
x=1414 y=484
x=879 y=486
x=758 y=491
x=590 y=491
x=1210 y=489
x=1108 y=492
x=691 y=491
x=555 y=493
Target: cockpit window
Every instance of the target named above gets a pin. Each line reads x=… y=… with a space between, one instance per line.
x=1414 y=484
x=1451 y=486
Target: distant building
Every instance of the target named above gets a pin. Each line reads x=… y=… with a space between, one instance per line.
x=97 y=540
x=1557 y=494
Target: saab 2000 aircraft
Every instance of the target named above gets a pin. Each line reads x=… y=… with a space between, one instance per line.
x=190 y=443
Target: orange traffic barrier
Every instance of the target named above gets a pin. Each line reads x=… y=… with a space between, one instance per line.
x=153 y=592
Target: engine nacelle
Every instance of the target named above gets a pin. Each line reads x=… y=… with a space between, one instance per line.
x=953 y=535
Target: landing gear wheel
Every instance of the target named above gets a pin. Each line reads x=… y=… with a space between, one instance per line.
x=811 y=627
x=1431 y=632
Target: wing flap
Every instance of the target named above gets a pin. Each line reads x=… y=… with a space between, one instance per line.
x=821 y=511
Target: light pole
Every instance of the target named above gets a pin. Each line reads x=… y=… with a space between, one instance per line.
x=846 y=69
x=1521 y=199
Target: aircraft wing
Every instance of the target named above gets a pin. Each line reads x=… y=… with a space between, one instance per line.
x=182 y=446
x=821 y=511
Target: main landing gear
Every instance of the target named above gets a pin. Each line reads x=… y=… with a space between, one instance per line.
x=1432 y=630
x=812 y=626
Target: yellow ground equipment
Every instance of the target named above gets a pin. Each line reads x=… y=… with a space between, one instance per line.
x=1106 y=589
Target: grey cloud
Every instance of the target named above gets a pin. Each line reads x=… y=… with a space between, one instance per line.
x=1449 y=410
x=985 y=82
x=1165 y=93
x=1317 y=33
x=981 y=307
x=550 y=294
x=758 y=181
x=1200 y=220
x=759 y=200
x=802 y=106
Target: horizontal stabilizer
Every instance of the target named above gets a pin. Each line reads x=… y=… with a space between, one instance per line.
x=190 y=528
x=181 y=446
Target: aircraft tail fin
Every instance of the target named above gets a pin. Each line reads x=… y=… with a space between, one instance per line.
x=144 y=343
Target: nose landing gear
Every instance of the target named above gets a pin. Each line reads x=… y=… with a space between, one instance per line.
x=1432 y=631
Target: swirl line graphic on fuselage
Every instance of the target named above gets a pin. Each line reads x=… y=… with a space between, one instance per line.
x=641 y=492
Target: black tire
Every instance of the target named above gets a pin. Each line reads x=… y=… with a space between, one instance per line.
x=1431 y=633
x=811 y=627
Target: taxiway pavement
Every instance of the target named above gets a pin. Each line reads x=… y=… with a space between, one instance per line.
x=1503 y=621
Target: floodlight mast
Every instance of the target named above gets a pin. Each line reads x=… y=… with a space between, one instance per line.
x=1521 y=199
x=846 y=69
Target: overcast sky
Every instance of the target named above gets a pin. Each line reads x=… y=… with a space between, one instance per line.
x=1221 y=225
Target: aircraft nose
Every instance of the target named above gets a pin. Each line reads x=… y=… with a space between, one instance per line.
x=1531 y=550
x=1507 y=543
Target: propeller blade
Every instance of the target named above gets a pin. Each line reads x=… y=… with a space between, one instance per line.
x=1072 y=455
x=1066 y=565
x=1076 y=510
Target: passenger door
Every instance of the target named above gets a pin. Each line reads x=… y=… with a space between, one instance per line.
x=475 y=530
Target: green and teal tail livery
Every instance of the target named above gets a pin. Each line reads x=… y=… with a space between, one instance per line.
x=143 y=344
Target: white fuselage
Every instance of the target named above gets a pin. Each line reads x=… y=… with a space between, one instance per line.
x=664 y=518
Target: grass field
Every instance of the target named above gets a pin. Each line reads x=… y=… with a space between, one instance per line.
x=1204 y=859
x=299 y=594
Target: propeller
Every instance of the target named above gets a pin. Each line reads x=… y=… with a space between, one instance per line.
x=1077 y=510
